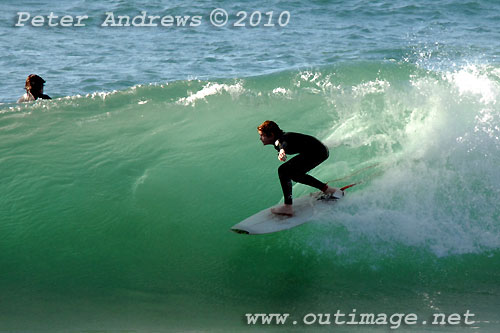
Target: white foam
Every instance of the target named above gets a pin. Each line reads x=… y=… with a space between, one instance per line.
x=211 y=88
x=282 y=91
x=370 y=87
x=317 y=83
x=437 y=191
x=473 y=80
x=139 y=181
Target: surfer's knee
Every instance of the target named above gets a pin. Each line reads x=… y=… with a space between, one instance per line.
x=284 y=170
x=296 y=177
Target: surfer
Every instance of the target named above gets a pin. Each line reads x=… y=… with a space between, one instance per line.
x=311 y=152
x=34 y=89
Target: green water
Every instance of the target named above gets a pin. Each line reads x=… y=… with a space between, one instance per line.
x=116 y=207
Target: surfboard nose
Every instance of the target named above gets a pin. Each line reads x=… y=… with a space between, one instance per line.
x=239 y=231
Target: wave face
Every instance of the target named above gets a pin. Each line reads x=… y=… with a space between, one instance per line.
x=131 y=194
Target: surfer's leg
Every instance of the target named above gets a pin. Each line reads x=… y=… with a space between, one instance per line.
x=286 y=186
x=286 y=182
x=297 y=168
x=302 y=164
x=311 y=181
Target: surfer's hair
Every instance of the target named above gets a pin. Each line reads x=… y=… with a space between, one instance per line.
x=270 y=128
x=34 y=83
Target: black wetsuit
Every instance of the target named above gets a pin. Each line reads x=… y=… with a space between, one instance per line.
x=311 y=153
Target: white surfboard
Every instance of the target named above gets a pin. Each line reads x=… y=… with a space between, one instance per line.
x=265 y=222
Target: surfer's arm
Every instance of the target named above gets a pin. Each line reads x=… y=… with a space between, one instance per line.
x=280 y=146
x=282 y=155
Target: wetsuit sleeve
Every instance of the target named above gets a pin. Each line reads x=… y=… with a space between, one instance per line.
x=283 y=145
x=296 y=143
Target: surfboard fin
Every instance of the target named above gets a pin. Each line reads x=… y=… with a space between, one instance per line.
x=338 y=194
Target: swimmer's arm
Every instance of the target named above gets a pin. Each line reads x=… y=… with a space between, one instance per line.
x=25 y=98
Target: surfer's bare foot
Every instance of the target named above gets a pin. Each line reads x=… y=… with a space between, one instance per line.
x=283 y=210
x=336 y=192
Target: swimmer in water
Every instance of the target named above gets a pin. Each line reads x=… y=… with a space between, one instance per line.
x=34 y=89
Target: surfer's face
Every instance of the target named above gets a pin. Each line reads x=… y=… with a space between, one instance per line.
x=266 y=140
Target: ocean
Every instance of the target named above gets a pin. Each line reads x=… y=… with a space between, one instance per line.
x=117 y=195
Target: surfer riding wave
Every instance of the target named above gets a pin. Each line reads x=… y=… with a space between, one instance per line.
x=311 y=152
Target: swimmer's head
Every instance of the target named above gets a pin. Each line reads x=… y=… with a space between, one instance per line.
x=34 y=84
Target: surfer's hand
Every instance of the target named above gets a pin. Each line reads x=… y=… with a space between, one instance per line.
x=282 y=156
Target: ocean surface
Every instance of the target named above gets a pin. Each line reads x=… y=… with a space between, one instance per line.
x=117 y=196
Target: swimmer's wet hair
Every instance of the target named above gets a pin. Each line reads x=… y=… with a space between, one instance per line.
x=269 y=128
x=34 y=82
